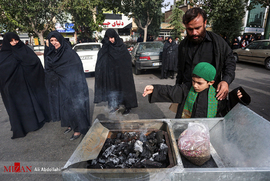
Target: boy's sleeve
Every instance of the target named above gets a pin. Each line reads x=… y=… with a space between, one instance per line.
x=233 y=98
x=167 y=93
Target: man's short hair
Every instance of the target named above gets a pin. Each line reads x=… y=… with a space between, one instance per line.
x=193 y=13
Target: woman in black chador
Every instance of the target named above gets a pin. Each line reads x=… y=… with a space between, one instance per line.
x=113 y=74
x=66 y=85
x=22 y=86
x=169 y=59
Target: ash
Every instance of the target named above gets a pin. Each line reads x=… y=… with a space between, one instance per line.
x=132 y=150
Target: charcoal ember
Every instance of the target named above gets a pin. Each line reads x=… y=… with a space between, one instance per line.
x=126 y=136
x=101 y=160
x=94 y=165
x=94 y=162
x=117 y=141
x=159 y=137
x=131 y=161
x=108 y=151
x=149 y=147
x=143 y=137
x=152 y=142
x=132 y=150
x=133 y=135
x=120 y=166
x=146 y=154
x=147 y=164
x=120 y=147
x=107 y=144
x=152 y=135
x=162 y=154
x=138 y=146
x=163 y=146
x=122 y=159
x=119 y=136
x=109 y=164
x=114 y=159
x=126 y=151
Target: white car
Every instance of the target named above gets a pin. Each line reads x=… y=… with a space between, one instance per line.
x=88 y=54
x=39 y=50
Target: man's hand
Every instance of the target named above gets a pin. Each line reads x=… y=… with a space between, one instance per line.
x=148 y=90
x=222 y=90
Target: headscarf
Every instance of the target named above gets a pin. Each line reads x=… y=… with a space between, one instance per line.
x=6 y=46
x=55 y=54
x=20 y=51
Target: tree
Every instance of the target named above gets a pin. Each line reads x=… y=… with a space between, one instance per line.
x=32 y=16
x=176 y=20
x=85 y=15
x=143 y=12
x=154 y=28
x=226 y=16
x=264 y=3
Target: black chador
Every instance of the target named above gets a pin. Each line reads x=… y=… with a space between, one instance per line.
x=66 y=85
x=113 y=74
x=22 y=87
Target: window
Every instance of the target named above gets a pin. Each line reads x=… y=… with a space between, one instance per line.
x=252 y=45
x=82 y=48
x=264 y=45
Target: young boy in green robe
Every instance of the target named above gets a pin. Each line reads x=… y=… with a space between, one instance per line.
x=200 y=100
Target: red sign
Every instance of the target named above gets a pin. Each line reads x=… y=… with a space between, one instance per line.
x=17 y=168
x=114 y=24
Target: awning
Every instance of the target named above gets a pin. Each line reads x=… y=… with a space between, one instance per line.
x=128 y=26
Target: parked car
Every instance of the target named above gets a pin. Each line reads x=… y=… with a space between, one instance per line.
x=130 y=45
x=256 y=52
x=147 y=55
x=39 y=50
x=88 y=54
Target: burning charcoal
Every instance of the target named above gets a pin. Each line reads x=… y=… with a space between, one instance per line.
x=100 y=160
x=109 y=165
x=122 y=158
x=162 y=154
x=152 y=135
x=126 y=136
x=146 y=154
x=131 y=161
x=133 y=135
x=163 y=146
x=94 y=162
x=117 y=141
x=149 y=147
x=114 y=159
x=128 y=148
x=151 y=164
x=108 y=151
x=142 y=137
x=138 y=146
x=159 y=137
x=120 y=166
x=126 y=151
x=119 y=135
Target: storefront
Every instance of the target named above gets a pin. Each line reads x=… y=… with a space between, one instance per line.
x=121 y=23
x=67 y=32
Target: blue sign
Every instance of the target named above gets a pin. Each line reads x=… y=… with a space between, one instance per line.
x=68 y=28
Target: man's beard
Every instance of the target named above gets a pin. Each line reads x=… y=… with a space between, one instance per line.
x=200 y=37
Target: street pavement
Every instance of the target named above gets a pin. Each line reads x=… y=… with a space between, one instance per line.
x=46 y=151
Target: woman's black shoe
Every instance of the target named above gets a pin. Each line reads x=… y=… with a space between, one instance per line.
x=127 y=110
x=67 y=130
x=73 y=137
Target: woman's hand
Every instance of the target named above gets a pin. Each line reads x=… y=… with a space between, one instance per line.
x=239 y=94
x=148 y=90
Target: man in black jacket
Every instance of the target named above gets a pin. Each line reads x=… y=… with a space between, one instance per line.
x=204 y=46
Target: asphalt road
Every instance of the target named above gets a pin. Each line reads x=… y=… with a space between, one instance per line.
x=45 y=151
